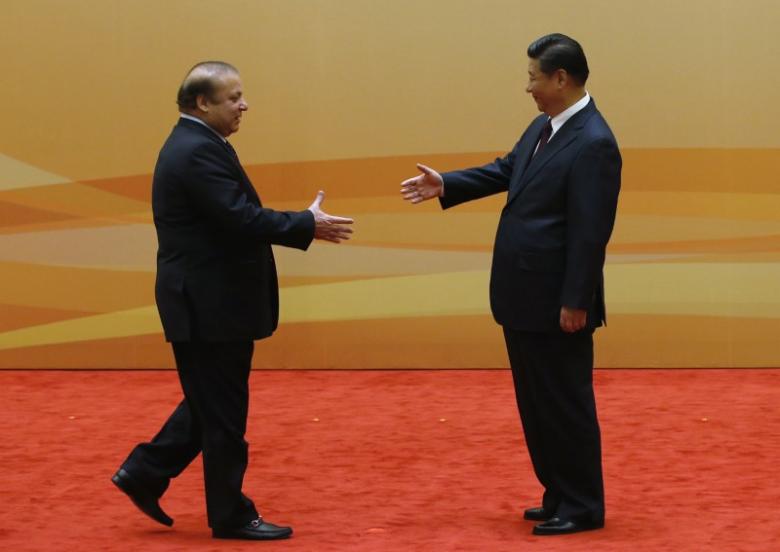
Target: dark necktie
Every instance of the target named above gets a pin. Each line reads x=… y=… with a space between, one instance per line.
x=544 y=137
x=230 y=148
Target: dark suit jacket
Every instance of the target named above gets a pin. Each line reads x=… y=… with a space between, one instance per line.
x=216 y=277
x=551 y=238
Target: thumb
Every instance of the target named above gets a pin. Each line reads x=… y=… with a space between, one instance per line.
x=318 y=199
x=424 y=169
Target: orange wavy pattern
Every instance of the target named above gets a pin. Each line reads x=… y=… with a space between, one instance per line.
x=704 y=222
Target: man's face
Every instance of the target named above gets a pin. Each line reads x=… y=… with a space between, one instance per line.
x=544 y=88
x=225 y=107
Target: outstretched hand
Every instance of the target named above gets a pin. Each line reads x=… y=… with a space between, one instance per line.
x=328 y=227
x=424 y=186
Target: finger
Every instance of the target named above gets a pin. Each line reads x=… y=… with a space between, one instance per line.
x=424 y=169
x=338 y=220
x=326 y=234
x=327 y=239
x=344 y=235
x=318 y=199
x=565 y=323
x=335 y=231
x=409 y=182
x=340 y=230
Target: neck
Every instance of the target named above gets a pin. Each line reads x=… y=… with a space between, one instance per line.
x=204 y=121
x=193 y=113
x=568 y=100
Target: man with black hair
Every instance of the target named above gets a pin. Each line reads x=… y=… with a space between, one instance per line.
x=216 y=292
x=546 y=285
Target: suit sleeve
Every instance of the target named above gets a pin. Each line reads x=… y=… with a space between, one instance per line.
x=591 y=206
x=211 y=184
x=478 y=182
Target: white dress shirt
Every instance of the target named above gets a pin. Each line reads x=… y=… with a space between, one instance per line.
x=558 y=121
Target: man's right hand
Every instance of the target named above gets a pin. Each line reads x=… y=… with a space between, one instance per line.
x=327 y=227
x=424 y=186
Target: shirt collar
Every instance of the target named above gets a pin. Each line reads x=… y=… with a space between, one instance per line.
x=201 y=121
x=560 y=119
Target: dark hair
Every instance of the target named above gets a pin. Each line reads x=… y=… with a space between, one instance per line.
x=201 y=79
x=558 y=51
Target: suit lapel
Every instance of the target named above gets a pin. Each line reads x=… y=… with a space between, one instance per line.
x=245 y=179
x=526 y=151
x=560 y=140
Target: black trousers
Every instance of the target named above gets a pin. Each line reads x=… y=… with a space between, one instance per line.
x=553 y=377
x=211 y=419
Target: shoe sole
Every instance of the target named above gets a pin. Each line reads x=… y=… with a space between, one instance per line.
x=252 y=537
x=553 y=533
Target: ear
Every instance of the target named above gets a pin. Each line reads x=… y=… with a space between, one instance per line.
x=561 y=78
x=202 y=102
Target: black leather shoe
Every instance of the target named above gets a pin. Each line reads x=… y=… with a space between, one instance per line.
x=537 y=514
x=257 y=529
x=141 y=497
x=559 y=526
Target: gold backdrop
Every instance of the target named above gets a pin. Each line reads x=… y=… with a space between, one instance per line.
x=346 y=95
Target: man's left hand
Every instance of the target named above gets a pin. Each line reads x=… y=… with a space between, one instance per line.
x=573 y=320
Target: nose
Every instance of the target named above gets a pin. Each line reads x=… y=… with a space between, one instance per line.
x=528 y=87
x=244 y=105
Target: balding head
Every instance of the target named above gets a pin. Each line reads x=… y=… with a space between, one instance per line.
x=213 y=93
x=203 y=79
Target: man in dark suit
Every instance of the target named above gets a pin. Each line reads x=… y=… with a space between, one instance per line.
x=546 y=285
x=216 y=293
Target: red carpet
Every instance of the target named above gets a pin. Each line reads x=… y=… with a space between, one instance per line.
x=417 y=460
